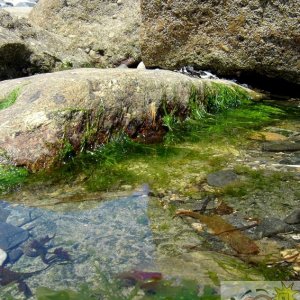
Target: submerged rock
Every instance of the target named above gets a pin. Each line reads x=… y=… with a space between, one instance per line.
x=11 y=236
x=3 y=256
x=271 y=226
x=293 y=218
x=281 y=146
x=221 y=178
x=58 y=113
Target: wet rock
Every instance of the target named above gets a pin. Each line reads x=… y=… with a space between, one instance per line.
x=54 y=111
x=269 y=227
x=291 y=160
x=221 y=178
x=3 y=256
x=281 y=146
x=293 y=218
x=14 y=255
x=11 y=236
x=3 y=214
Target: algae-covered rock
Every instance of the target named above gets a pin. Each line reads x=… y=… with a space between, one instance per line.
x=66 y=112
x=230 y=37
x=107 y=30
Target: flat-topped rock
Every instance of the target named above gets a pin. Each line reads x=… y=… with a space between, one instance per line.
x=79 y=108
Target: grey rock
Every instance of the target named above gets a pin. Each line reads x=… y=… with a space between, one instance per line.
x=26 y=50
x=284 y=146
x=14 y=255
x=3 y=214
x=110 y=28
x=11 y=236
x=293 y=218
x=228 y=37
x=221 y=178
x=270 y=227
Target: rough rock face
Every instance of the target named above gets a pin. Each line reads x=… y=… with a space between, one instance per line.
x=25 y=50
x=230 y=37
x=72 y=110
x=106 y=29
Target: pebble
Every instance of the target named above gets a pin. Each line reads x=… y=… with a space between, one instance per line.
x=270 y=227
x=3 y=257
x=141 y=66
x=221 y=178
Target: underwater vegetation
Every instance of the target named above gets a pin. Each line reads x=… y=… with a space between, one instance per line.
x=119 y=161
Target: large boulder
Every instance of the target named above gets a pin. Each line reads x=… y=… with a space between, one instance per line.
x=49 y=115
x=231 y=37
x=108 y=30
x=25 y=50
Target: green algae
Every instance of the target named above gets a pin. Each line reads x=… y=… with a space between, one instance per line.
x=11 y=178
x=192 y=147
x=10 y=99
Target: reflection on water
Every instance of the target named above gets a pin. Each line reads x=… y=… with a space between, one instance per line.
x=116 y=234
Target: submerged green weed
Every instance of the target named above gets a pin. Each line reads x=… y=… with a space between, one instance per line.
x=10 y=99
x=10 y=177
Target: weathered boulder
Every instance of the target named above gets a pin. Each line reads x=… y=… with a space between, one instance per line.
x=230 y=37
x=70 y=110
x=108 y=30
x=25 y=50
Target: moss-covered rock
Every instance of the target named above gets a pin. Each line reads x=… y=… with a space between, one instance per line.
x=61 y=114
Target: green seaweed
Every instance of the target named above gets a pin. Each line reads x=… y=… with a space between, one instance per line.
x=10 y=99
x=11 y=177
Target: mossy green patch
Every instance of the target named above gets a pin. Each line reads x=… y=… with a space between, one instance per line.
x=192 y=147
x=255 y=180
x=10 y=99
x=11 y=177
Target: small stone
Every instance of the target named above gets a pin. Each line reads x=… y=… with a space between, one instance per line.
x=141 y=66
x=14 y=255
x=3 y=256
x=271 y=226
x=221 y=178
x=119 y=2
x=93 y=53
x=281 y=146
x=293 y=218
x=198 y=227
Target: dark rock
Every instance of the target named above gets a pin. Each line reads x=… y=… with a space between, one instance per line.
x=281 y=146
x=14 y=255
x=221 y=178
x=293 y=218
x=11 y=236
x=270 y=227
